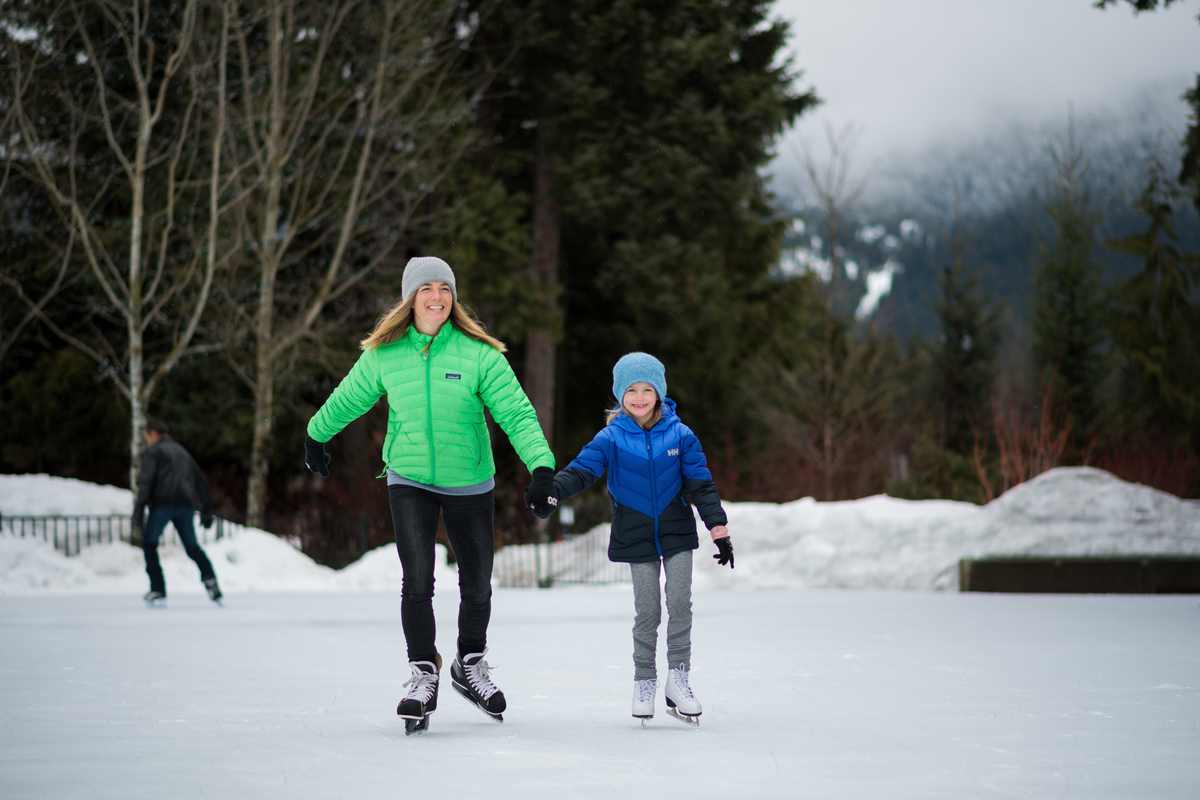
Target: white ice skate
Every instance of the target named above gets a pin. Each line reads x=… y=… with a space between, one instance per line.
x=643 y=699
x=681 y=703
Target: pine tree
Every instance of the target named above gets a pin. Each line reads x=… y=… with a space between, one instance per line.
x=640 y=129
x=1067 y=330
x=1155 y=319
x=962 y=359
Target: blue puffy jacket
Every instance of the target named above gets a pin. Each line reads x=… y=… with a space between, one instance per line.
x=651 y=474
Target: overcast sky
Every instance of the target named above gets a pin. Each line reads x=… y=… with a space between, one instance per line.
x=916 y=74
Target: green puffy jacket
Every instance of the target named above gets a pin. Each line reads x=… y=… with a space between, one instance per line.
x=436 y=430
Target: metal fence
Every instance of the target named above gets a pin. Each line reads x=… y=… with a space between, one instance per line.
x=576 y=558
x=70 y=534
x=336 y=541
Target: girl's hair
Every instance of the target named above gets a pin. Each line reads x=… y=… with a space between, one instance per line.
x=395 y=323
x=619 y=409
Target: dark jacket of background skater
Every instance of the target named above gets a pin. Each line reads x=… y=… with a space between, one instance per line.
x=173 y=487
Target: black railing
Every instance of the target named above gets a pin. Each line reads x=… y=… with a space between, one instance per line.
x=334 y=541
x=561 y=556
x=70 y=534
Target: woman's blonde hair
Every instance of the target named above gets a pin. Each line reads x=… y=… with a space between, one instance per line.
x=619 y=409
x=395 y=323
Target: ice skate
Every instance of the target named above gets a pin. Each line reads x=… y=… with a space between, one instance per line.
x=214 y=591
x=643 y=699
x=421 y=700
x=155 y=599
x=681 y=703
x=469 y=675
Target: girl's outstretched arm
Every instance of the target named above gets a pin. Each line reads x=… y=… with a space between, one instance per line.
x=698 y=482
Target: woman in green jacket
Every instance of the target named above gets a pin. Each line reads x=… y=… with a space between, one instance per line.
x=438 y=378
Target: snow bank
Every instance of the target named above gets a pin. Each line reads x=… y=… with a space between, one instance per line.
x=876 y=542
x=45 y=496
x=883 y=542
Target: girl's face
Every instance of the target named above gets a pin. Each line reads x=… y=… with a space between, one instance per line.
x=432 y=307
x=639 y=401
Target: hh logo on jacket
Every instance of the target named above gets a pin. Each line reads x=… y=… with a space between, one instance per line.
x=674 y=451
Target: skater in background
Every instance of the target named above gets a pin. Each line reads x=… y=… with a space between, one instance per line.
x=171 y=484
x=654 y=464
x=438 y=378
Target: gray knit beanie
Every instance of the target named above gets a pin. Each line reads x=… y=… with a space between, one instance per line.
x=423 y=269
x=634 y=367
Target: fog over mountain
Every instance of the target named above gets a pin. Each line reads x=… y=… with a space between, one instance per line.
x=896 y=242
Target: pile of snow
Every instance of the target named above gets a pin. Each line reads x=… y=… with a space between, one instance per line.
x=249 y=561
x=876 y=542
x=882 y=542
x=48 y=496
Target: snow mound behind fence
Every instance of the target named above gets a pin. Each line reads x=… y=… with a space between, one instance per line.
x=877 y=542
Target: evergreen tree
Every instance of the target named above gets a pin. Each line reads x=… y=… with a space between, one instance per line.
x=962 y=359
x=642 y=127
x=1068 y=299
x=957 y=368
x=1156 y=319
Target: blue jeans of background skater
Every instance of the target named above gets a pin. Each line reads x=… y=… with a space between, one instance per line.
x=156 y=523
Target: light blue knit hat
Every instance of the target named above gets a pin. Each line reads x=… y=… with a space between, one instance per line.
x=423 y=269
x=634 y=367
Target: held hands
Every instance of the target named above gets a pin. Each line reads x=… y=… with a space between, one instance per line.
x=539 y=494
x=315 y=457
x=724 y=545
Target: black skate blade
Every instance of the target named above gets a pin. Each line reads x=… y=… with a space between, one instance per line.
x=689 y=719
x=467 y=696
x=416 y=726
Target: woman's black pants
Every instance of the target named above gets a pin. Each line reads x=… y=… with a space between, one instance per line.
x=470 y=524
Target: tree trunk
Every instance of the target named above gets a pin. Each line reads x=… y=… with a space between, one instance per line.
x=265 y=352
x=540 y=361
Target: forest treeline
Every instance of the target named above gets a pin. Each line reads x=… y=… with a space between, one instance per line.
x=207 y=203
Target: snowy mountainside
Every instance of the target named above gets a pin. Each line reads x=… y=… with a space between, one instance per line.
x=896 y=241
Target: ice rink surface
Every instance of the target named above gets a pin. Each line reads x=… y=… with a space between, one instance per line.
x=806 y=693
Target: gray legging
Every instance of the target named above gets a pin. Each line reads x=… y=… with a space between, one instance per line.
x=647 y=604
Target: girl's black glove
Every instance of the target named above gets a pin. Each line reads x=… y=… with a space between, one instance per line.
x=539 y=494
x=315 y=457
x=725 y=554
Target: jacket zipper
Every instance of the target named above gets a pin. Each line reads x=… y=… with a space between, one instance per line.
x=653 y=494
x=429 y=415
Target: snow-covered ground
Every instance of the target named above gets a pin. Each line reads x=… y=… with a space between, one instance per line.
x=290 y=690
x=807 y=694
x=878 y=542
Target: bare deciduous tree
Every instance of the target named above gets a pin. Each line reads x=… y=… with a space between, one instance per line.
x=836 y=388
x=123 y=167
x=348 y=116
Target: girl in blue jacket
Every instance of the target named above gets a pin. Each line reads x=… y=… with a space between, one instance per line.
x=654 y=463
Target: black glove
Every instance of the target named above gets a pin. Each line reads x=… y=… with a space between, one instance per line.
x=539 y=494
x=206 y=521
x=726 y=551
x=315 y=457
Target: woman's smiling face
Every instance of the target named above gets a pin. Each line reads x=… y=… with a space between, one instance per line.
x=432 y=307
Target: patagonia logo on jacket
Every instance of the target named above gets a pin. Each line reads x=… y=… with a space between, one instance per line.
x=450 y=376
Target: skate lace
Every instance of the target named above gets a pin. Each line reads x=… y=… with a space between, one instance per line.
x=479 y=676
x=680 y=676
x=645 y=690
x=422 y=683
